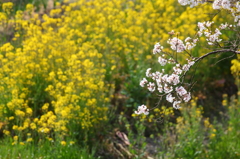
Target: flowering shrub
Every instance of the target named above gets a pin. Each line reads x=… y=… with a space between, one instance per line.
x=171 y=84
x=51 y=83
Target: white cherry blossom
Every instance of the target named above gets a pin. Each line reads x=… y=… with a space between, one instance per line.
x=157 y=48
x=181 y=90
x=142 y=110
x=162 y=61
x=176 y=104
x=148 y=73
x=170 y=98
x=143 y=82
x=151 y=86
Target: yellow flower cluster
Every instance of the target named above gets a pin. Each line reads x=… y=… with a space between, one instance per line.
x=235 y=69
x=192 y=119
x=53 y=79
x=7 y=7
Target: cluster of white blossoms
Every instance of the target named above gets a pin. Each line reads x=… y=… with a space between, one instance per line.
x=168 y=85
x=192 y=3
x=157 y=48
x=142 y=110
x=178 y=45
x=211 y=36
x=171 y=84
x=232 y=5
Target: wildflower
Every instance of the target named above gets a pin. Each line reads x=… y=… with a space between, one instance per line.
x=6 y=132
x=29 y=111
x=15 y=127
x=19 y=113
x=63 y=143
x=29 y=139
x=212 y=135
x=15 y=138
x=7 y=7
x=33 y=126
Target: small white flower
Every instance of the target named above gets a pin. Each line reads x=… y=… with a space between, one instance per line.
x=176 y=44
x=191 y=63
x=201 y=26
x=162 y=61
x=185 y=67
x=217 y=4
x=148 y=74
x=160 y=89
x=186 y=97
x=142 y=110
x=177 y=70
x=157 y=48
x=176 y=104
x=226 y=4
x=151 y=87
x=188 y=39
x=173 y=79
x=190 y=46
x=170 y=98
x=164 y=78
x=181 y=90
x=223 y=26
x=208 y=23
x=168 y=89
x=143 y=82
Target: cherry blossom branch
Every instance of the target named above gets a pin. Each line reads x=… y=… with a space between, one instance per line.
x=171 y=84
x=215 y=52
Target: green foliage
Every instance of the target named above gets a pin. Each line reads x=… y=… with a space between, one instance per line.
x=44 y=149
x=194 y=136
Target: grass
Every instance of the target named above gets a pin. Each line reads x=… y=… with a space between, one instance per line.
x=41 y=150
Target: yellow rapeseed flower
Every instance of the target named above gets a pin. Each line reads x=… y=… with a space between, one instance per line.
x=7 y=7
x=212 y=136
x=63 y=143
x=29 y=139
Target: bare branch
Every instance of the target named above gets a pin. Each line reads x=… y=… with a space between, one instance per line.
x=225 y=58
x=217 y=51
